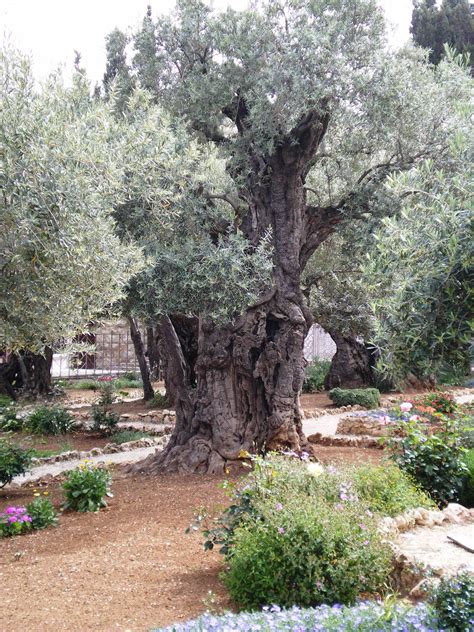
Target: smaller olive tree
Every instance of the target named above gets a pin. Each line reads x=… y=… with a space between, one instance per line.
x=62 y=263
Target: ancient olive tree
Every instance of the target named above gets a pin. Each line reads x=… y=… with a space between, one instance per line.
x=310 y=112
x=61 y=261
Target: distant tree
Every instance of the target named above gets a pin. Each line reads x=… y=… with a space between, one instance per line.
x=451 y=23
x=117 y=72
x=61 y=261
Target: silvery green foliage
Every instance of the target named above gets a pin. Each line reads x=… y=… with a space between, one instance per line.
x=61 y=262
x=422 y=263
x=194 y=263
x=279 y=61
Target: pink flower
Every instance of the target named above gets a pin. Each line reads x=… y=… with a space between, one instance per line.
x=278 y=506
x=281 y=530
x=385 y=420
x=414 y=417
x=406 y=407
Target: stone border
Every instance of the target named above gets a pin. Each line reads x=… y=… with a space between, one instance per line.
x=110 y=448
x=345 y=442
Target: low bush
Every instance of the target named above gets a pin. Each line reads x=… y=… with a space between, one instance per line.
x=314 y=375
x=13 y=461
x=128 y=435
x=104 y=419
x=434 y=461
x=388 y=490
x=50 y=420
x=159 y=401
x=82 y=385
x=10 y=421
x=42 y=512
x=368 y=616
x=441 y=402
x=127 y=382
x=86 y=487
x=367 y=397
x=467 y=491
x=453 y=601
x=14 y=521
x=307 y=555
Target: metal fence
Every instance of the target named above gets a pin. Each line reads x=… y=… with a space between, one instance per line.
x=318 y=344
x=112 y=354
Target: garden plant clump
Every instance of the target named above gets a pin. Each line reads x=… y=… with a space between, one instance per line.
x=435 y=460
x=42 y=512
x=367 y=397
x=298 y=533
x=104 y=419
x=86 y=488
x=454 y=603
x=314 y=375
x=50 y=420
x=38 y=514
x=364 y=617
x=13 y=461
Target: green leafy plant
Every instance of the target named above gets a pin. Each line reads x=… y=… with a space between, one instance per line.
x=314 y=375
x=441 y=402
x=9 y=419
x=434 y=461
x=453 y=601
x=467 y=491
x=86 y=487
x=388 y=490
x=13 y=461
x=50 y=420
x=127 y=380
x=42 y=512
x=159 y=401
x=306 y=555
x=367 y=397
x=104 y=419
x=79 y=385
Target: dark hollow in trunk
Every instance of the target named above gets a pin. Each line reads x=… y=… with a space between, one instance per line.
x=351 y=366
x=148 y=392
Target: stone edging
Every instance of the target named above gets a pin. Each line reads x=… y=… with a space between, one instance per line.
x=345 y=442
x=110 y=448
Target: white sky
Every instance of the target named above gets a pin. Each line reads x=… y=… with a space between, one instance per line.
x=52 y=29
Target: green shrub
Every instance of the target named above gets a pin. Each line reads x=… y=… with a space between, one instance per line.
x=86 y=487
x=159 y=401
x=50 y=420
x=42 y=513
x=9 y=419
x=467 y=491
x=367 y=397
x=454 y=603
x=441 y=402
x=128 y=435
x=5 y=402
x=13 y=461
x=104 y=419
x=127 y=382
x=388 y=490
x=306 y=555
x=434 y=461
x=314 y=375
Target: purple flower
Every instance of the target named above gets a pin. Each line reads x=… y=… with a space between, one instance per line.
x=278 y=506
x=281 y=530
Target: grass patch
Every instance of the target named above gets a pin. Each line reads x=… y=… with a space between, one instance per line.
x=128 y=435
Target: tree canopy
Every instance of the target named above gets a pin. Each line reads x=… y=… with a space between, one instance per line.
x=61 y=261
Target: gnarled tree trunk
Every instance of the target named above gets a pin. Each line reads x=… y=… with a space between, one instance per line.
x=351 y=366
x=250 y=374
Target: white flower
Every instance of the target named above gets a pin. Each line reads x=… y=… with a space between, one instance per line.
x=315 y=469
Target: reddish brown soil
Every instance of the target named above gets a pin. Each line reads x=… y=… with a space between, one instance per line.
x=336 y=454
x=72 y=441
x=130 y=567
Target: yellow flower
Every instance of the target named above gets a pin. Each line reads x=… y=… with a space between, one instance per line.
x=36 y=494
x=243 y=454
x=46 y=493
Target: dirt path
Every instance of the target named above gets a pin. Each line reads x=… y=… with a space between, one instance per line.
x=131 y=567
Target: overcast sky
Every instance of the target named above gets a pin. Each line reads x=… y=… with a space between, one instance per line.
x=52 y=29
